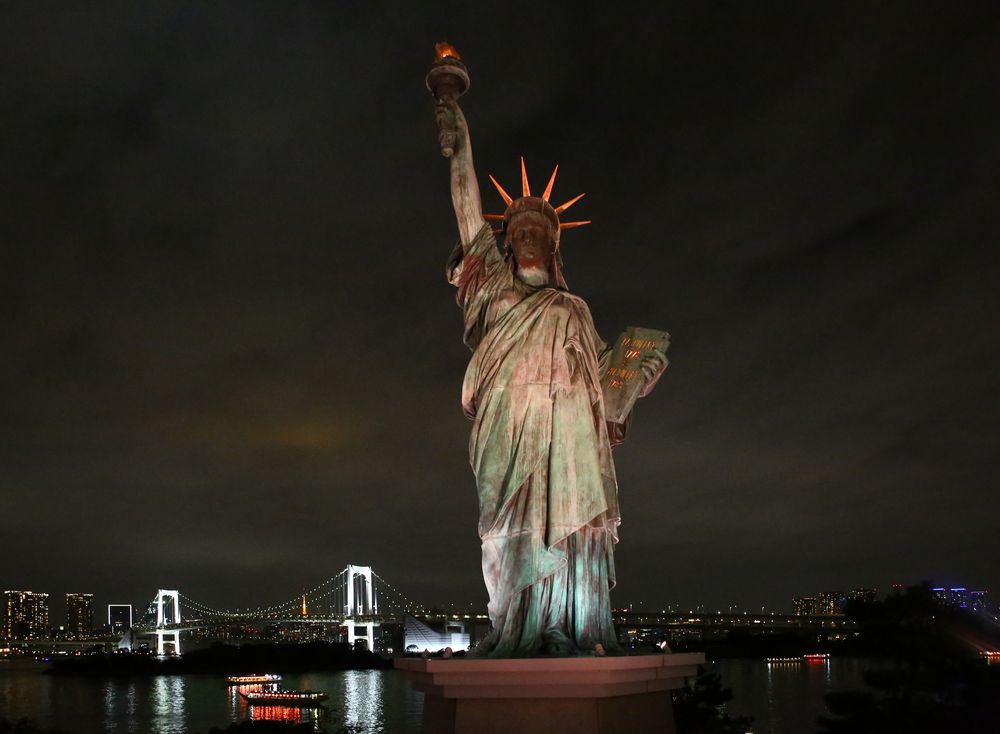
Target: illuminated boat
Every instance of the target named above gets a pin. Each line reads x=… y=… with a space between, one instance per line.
x=816 y=656
x=285 y=698
x=242 y=680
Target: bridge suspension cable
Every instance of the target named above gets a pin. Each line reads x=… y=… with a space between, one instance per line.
x=405 y=604
x=274 y=610
x=334 y=589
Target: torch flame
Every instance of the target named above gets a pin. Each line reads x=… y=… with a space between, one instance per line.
x=445 y=50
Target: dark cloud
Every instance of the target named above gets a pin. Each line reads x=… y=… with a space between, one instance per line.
x=231 y=363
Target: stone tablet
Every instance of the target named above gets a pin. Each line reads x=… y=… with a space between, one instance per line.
x=624 y=380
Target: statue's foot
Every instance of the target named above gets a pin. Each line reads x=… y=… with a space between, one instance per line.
x=610 y=650
x=557 y=644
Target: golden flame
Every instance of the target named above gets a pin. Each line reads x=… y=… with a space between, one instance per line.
x=445 y=50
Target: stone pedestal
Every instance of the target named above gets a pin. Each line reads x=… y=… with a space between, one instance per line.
x=609 y=695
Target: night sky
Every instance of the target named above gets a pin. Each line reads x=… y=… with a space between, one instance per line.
x=231 y=363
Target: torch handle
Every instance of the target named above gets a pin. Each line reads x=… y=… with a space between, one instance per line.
x=447 y=127
x=447 y=80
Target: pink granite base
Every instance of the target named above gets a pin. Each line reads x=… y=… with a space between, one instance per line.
x=564 y=695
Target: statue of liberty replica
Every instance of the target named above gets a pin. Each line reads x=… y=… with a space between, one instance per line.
x=536 y=390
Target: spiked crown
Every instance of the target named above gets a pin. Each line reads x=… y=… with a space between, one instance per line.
x=528 y=203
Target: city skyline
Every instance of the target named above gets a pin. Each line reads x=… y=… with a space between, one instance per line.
x=808 y=602
x=233 y=363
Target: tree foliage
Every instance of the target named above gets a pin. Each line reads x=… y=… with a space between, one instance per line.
x=699 y=707
x=934 y=680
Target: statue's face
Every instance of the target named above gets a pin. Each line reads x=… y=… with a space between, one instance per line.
x=530 y=237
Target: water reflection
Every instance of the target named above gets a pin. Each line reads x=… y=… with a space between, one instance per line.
x=238 y=707
x=167 y=699
x=786 y=697
x=130 y=706
x=118 y=704
x=363 y=697
x=288 y=714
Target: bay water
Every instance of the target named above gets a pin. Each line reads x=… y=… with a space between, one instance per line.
x=782 y=698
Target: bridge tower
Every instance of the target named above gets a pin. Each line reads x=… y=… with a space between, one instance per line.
x=361 y=602
x=164 y=617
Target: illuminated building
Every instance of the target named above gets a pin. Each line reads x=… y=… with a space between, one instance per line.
x=803 y=605
x=866 y=596
x=831 y=603
x=960 y=597
x=25 y=615
x=119 y=618
x=418 y=636
x=825 y=603
x=79 y=614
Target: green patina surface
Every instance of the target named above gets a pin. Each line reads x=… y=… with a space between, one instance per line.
x=541 y=453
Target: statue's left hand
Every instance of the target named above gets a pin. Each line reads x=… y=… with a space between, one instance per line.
x=652 y=369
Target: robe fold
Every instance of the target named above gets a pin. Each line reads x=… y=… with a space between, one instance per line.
x=541 y=454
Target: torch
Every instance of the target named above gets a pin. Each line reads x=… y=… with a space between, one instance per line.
x=447 y=80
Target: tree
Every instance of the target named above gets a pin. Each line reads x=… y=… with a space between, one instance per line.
x=935 y=680
x=699 y=707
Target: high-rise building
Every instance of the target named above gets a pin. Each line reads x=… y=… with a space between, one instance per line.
x=866 y=596
x=25 y=615
x=119 y=618
x=825 y=603
x=79 y=614
x=803 y=605
x=960 y=597
x=830 y=603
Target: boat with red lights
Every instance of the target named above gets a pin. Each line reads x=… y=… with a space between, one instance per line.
x=243 y=680
x=816 y=656
x=285 y=698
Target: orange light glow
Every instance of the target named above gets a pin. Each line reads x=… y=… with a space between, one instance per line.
x=445 y=50
x=276 y=713
x=245 y=680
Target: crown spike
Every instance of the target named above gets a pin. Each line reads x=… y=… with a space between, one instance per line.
x=493 y=217
x=506 y=197
x=568 y=204
x=571 y=225
x=552 y=180
x=525 y=189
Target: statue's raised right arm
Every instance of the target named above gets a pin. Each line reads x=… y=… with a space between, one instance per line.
x=464 y=185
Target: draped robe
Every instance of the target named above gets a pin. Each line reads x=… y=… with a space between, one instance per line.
x=541 y=453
